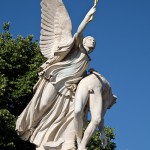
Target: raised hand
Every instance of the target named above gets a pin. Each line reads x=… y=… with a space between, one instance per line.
x=91 y=13
x=95 y=2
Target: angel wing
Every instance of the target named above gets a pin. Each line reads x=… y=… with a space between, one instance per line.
x=56 y=28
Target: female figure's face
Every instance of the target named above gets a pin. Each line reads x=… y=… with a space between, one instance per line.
x=90 y=44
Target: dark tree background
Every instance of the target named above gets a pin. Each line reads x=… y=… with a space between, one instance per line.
x=20 y=59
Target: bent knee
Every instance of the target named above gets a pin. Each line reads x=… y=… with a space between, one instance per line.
x=78 y=113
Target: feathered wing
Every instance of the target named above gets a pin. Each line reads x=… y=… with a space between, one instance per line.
x=56 y=28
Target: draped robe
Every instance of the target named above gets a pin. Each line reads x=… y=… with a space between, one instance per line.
x=55 y=128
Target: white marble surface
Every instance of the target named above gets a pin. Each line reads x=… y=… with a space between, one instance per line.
x=48 y=120
x=95 y=91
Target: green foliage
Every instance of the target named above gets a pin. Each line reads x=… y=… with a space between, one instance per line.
x=6 y=26
x=20 y=59
x=7 y=122
x=19 y=63
x=95 y=143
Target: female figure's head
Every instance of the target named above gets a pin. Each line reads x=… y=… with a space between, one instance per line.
x=89 y=43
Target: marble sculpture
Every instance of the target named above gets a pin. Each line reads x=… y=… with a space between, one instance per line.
x=53 y=118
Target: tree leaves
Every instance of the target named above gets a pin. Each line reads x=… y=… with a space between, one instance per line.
x=95 y=142
x=7 y=122
x=20 y=59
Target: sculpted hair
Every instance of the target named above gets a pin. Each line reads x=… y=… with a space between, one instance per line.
x=86 y=38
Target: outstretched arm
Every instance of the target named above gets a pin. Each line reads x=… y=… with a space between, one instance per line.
x=86 y=20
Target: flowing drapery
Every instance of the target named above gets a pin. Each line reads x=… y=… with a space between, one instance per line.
x=55 y=128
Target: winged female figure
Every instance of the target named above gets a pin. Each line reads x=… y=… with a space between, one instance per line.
x=47 y=121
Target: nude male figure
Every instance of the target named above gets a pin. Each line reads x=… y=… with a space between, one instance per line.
x=96 y=90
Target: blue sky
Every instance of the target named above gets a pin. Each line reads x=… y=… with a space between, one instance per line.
x=122 y=55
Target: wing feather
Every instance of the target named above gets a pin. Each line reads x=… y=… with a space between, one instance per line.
x=46 y=27
x=46 y=46
x=47 y=18
x=45 y=38
x=45 y=33
x=56 y=27
x=46 y=42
